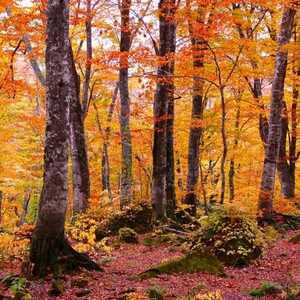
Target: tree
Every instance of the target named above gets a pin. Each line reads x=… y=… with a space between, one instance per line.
x=163 y=109
x=48 y=243
x=195 y=134
x=265 y=202
x=125 y=42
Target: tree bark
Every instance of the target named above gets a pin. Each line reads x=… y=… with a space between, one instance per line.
x=265 y=203
x=26 y=200
x=235 y=144
x=1 y=199
x=170 y=175
x=196 y=129
x=89 y=57
x=80 y=168
x=160 y=107
x=48 y=245
x=126 y=172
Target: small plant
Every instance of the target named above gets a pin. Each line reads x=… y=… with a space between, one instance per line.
x=208 y=296
x=156 y=293
x=18 y=285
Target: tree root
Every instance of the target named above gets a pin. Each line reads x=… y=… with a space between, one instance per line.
x=55 y=255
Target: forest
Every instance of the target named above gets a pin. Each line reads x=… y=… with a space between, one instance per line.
x=149 y=148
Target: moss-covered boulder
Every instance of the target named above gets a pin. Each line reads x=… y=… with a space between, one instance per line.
x=128 y=235
x=137 y=217
x=295 y=239
x=190 y=263
x=234 y=240
x=266 y=288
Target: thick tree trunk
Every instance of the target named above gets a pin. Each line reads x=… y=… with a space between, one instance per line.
x=170 y=175
x=265 y=204
x=164 y=74
x=80 y=168
x=26 y=200
x=126 y=176
x=48 y=245
x=196 y=130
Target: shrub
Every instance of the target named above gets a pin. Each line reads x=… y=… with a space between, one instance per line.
x=234 y=240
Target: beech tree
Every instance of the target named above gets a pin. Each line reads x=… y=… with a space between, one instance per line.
x=163 y=157
x=275 y=121
x=48 y=241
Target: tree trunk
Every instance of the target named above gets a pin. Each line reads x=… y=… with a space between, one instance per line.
x=225 y=147
x=265 y=203
x=196 y=130
x=170 y=175
x=126 y=175
x=26 y=200
x=1 y=199
x=89 y=57
x=48 y=245
x=231 y=173
x=80 y=167
x=160 y=107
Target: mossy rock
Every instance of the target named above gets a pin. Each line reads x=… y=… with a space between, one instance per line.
x=128 y=235
x=137 y=217
x=57 y=288
x=233 y=240
x=155 y=293
x=295 y=239
x=155 y=239
x=267 y=288
x=283 y=222
x=190 y=263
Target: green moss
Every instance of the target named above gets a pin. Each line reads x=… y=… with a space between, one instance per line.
x=190 y=263
x=295 y=239
x=267 y=288
x=128 y=235
x=234 y=240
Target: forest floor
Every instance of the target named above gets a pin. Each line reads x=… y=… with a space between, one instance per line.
x=279 y=264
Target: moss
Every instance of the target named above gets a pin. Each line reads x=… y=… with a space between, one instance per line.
x=137 y=217
x=295 y=239
x=155 y=239
x=128 y=235
x=233 y=240
x=190 y=263
x=267 y=288
x=155 y=293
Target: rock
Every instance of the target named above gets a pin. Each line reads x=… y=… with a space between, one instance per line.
x=100 y=234
x=137 y=217
x=190 y=263
x=57 y=288
x=79 y=282
x=82 y=293
x=155 y=293
x=267 y=288
x=295 y=239
x=233 y=240
x=128 y=235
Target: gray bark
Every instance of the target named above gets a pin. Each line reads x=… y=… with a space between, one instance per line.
x=265 y=203
x=26 y=200
x=126 y=172
x=60 y=84
x=195 y=134
x=160 y=107
x=48 y=243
